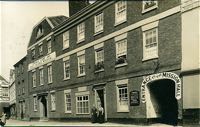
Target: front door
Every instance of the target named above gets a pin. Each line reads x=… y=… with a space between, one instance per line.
x=43 y=107
x=100 y=96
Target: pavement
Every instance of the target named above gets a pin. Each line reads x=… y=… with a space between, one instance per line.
x=14 y=123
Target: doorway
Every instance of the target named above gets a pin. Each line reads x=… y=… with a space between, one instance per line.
x=100 y=95
x=43 y=107
x=162 y=103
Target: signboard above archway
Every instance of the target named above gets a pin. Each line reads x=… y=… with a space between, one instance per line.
x=159 y=76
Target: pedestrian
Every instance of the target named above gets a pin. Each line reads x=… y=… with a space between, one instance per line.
x=3 y=120
x=100 y=114
x=94 y=114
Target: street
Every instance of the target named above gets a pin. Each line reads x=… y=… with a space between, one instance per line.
x=56 y=123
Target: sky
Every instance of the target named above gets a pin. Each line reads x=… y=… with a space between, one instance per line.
x=16 y=22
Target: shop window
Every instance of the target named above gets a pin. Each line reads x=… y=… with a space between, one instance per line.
x=35 y=103
x=49 y=71
x=148 y=5
x=49 y=47
x=81 y=32
x=98 y=23
x=68 y=105
x=121 y=52
x=120 y=12
x=41 y=71
x=66 y=69
x=82 y=104
x=53 y=102
x=66 y=40
x=34 y=78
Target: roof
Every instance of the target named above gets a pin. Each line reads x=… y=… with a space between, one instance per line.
x=2 y=78
x=56 y=20
x=20 y=61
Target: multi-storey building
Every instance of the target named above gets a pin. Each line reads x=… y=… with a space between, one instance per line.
x=4 y=96
x=21 y=89
x=12 y=94
x=130 y=57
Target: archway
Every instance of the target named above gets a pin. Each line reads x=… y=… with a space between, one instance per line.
x=162 y=103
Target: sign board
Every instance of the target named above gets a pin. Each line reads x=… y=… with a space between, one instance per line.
x=134 y=98
x=44 y=60
x=159 y=76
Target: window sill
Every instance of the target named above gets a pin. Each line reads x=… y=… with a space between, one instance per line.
x=49 y=83
x=81 y=75
x=123 y=111
x=65 y=48
x=34 y=86
x=149 y=58
x=35 y=110
x=97 y=33
x=53 y=110
x=82 y=113
x=41 y=85
x=65 y=79
x=68 y=112
x=118 y=23
x=79 y=41
x=121 y=65
x=98 y=71
x=149 y=9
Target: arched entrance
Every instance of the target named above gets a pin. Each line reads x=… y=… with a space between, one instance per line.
x=160 y=92
x=163 y=105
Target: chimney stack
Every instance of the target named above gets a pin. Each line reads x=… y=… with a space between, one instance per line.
x=77 y=5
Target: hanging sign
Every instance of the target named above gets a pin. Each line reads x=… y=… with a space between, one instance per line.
x=134 y=98
x=158 y=76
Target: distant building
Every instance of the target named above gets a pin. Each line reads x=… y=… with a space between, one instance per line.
x=4 y=95
x=130 y=57
x=12 y=94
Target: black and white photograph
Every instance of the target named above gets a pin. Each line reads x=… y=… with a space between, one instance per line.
x=121 y=63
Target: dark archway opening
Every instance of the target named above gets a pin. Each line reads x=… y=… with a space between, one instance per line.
x=44 y=102
x=162 y=95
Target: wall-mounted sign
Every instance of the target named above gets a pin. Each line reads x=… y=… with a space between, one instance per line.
x=44 y=60
x=134 y=98
x=158 y=76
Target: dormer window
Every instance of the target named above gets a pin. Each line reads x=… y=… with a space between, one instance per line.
x=149 y=5
x=39 y=31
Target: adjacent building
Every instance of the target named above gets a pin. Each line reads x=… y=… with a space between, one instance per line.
x=130 y=57
x=4 y=95
x=12 y=94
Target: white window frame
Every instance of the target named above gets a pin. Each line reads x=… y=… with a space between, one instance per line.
x=81 y=32
x=121 y=39
x=79 y=56
x=49 y=47
x=99 y=48
x=35 y=103
x=34 y=78
x=66 y=40
x=82 y=95
x=41 y=74
x=53 y=100
x=69 y=102
x=150 y=8
x=150 y=53
x=49 y=74
x=40 y=49
x=119 y=85
x=66 y=61
x=120 y=16
x=98 y=23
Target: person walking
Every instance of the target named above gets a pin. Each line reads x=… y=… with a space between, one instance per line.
x=3 y=120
